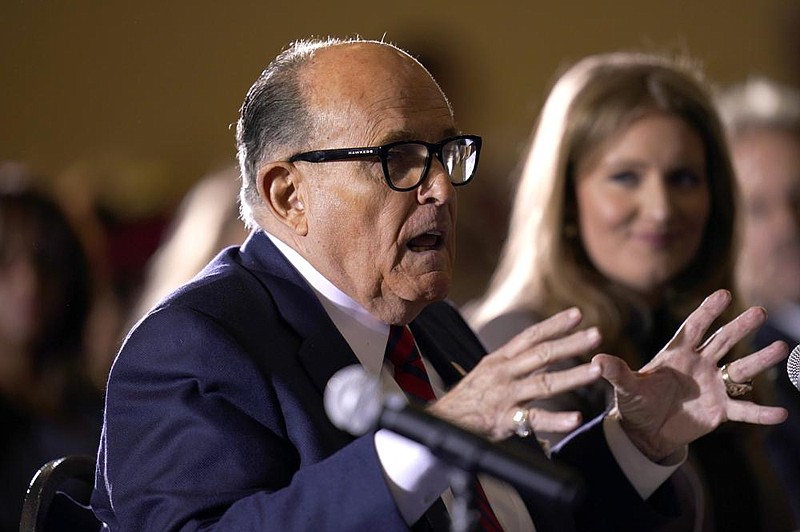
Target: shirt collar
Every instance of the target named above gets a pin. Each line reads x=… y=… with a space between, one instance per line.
x=365 y=334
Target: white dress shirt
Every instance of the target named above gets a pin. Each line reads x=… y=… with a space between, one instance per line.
x=415 y=477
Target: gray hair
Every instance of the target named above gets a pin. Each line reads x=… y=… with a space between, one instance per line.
x=274 y=117
x=759 y=103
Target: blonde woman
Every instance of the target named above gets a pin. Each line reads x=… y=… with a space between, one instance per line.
x=625 y=209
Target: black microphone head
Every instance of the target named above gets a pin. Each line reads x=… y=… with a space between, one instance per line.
x=353 y=400
x=793 y=367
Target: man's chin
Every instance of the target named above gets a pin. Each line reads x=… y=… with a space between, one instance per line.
x=433 y=286
x=401 y=302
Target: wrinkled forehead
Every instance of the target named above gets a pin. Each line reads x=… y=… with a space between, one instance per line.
x=368 y=93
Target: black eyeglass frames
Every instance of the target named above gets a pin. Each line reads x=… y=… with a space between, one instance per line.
x=406 y=163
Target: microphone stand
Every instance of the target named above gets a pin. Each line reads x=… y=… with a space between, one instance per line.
x=463 y=514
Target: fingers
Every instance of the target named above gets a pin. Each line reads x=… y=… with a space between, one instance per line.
x=613 y=369
x=541 y=355
x=553 y=327
x=543 y=344
x=723 y=340
x=545 y=421
x=547 y=384
x=748 y=412
x=695 y=326
x=745 y=368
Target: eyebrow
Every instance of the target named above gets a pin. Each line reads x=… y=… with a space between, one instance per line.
x=399 y=135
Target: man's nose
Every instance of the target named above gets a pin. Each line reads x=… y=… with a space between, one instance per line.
x=436 y=187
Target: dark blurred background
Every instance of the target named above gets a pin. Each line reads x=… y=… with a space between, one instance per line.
x=124 y=105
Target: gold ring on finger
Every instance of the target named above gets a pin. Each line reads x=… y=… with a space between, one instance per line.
x=733 y=388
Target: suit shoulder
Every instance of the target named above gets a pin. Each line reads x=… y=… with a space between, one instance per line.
x=225 y=302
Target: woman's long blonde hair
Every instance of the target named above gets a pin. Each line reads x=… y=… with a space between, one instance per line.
x=543 y=266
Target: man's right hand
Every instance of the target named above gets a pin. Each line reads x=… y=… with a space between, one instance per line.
x=485 y=400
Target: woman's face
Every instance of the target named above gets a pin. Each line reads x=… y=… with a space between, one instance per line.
x=643 y=202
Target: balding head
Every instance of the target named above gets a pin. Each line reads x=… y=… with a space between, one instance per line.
x=279 y=114
x=391 y=251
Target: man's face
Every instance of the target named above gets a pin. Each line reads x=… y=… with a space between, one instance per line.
x=393 y=252
x=767 y=163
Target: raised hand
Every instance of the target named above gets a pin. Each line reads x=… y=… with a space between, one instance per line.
x=680 y=395
x=504 y=382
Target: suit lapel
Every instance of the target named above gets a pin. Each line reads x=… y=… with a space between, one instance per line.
x=443 y=337
x=446 y=341
x=448 y=369
x=323 y=351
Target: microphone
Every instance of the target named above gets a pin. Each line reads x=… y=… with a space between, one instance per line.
x=793 y=367
x=355 y=403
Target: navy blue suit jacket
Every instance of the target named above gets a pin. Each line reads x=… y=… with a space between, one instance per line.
x=214 y=415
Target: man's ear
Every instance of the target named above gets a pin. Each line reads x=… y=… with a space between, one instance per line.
x=280 y=186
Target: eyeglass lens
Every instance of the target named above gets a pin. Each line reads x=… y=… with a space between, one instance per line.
x=407 y=163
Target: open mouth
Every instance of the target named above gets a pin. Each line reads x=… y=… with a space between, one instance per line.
x=428 y=241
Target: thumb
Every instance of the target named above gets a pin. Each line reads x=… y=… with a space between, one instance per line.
x=613 y=369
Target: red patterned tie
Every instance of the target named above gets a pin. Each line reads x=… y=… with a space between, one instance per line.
x=410 y=374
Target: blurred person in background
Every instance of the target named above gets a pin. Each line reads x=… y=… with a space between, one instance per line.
x=120 y=205
x=48 y=408
x=762 y=119
x=207 y=220
x=625 y=209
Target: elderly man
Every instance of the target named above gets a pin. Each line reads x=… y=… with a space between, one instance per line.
x=762 y=118
x=214 y=417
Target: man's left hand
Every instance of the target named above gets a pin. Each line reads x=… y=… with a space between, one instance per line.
x=680 y=395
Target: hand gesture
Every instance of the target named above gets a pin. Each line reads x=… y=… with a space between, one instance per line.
x=490 y=399
x=680 y=395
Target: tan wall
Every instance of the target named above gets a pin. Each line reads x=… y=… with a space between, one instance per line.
x=149 y=89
